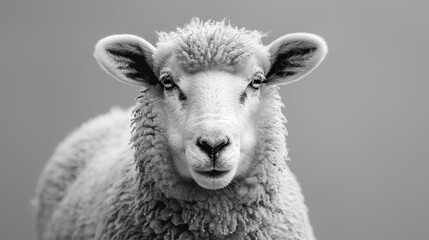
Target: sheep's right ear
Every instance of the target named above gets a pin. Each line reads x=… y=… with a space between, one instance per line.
x=127 y=58
x=294 y=56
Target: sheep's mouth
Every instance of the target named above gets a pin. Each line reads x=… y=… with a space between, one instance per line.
x=213 y=178
x=213 y=173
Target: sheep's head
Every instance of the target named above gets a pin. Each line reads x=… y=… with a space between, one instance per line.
x=212 y=75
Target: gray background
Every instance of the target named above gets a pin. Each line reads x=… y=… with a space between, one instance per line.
x=358 y=125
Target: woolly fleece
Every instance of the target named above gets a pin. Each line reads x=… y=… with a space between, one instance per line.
x=97 y=187
x=199 y=45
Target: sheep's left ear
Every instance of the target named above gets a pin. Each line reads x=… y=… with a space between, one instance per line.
x=293 y=56
x=127 y=58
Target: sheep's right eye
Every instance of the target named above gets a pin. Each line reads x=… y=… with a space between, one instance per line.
x=167 y=81
x=257 y=80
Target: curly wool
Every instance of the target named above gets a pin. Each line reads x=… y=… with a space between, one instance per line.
x=199 y=44
x=142 y=197
x=97 y=187
x=170 y=207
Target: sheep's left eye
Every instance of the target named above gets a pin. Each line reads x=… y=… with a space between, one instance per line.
x=167 y=80
x=257 y=80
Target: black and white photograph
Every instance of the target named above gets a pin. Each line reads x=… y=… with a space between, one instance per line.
x=214 y=120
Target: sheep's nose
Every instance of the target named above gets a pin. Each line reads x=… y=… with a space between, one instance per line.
x=212 y=148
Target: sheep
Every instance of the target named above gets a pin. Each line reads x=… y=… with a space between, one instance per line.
x=205 y=156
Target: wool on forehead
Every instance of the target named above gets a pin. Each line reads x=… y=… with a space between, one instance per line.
x=199 y=44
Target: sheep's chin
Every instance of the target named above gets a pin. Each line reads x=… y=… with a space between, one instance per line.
x=213 y=183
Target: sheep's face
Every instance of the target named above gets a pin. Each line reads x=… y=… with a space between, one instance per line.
x=210 y=110
x=211 y=120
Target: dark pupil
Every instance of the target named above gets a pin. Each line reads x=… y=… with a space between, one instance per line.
x=256 y=81
x=168 y=82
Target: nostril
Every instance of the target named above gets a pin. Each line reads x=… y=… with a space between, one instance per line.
x=204 y=146
x=221 y=145
x=212 y=148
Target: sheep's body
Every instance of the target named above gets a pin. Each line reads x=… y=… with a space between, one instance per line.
x=91 y=190
x=98 y=186
x=72 y=168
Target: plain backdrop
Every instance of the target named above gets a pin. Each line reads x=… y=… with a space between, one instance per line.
x=358 y=134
